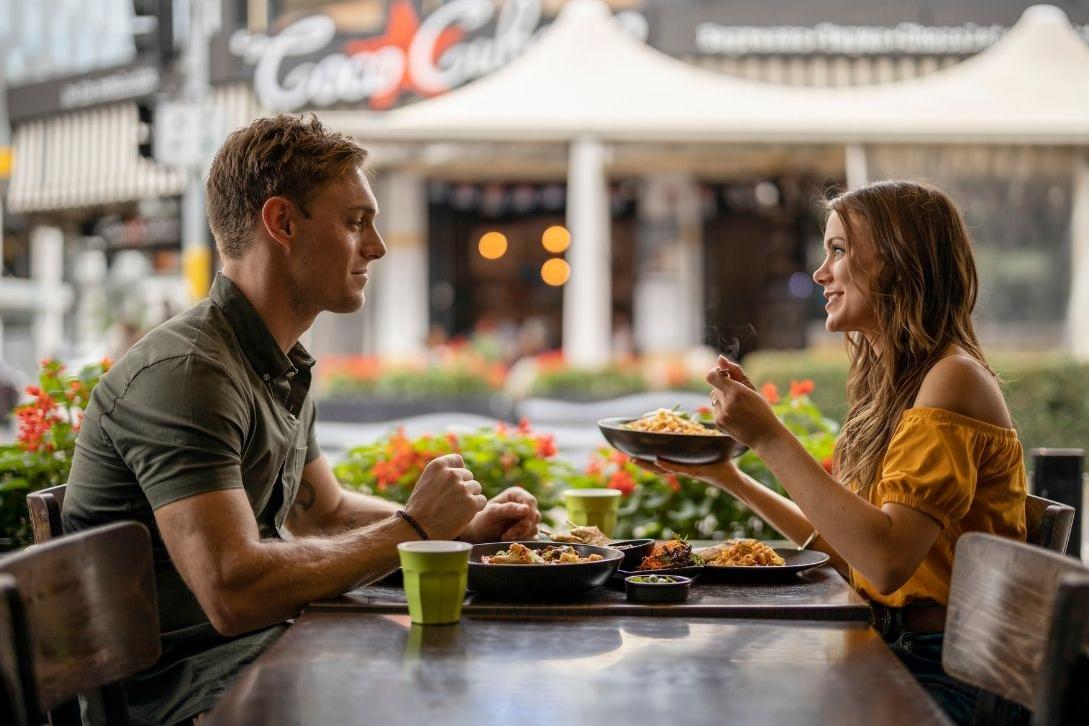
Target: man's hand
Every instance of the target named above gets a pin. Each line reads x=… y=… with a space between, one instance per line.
x=445 y=498
x=511 y=515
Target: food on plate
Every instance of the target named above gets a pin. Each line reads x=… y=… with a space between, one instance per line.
x=670 y=421
x=667 y=555
x=519 y=554
x=744 y=553
x=589 y=535
x=655 y=579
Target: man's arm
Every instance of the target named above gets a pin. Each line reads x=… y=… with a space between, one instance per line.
x=322 y=506
x=244 y=583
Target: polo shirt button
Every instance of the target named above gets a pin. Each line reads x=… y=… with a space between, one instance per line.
x=265 y=376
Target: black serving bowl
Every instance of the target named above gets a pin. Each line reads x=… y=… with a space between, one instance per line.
x=682 y=448
x=512 y=582
x=675 y=590
x=635 y=550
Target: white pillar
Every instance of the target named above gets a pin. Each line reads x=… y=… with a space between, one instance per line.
x=587 y=296
x=669 y=290
x=1077 y=318
x=401 y=292
x=89 y=271
x=858 y=172
x=47 y=269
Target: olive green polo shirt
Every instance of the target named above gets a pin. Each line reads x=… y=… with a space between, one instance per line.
x=207 y=401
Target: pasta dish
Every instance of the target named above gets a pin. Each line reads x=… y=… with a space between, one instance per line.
x=745 y=553
x=519 y=554
x=669 y=421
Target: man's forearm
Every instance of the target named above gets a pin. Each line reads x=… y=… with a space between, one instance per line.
x=357 y=510
x=271 y=580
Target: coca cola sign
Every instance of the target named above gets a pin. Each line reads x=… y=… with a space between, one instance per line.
x=307 y=65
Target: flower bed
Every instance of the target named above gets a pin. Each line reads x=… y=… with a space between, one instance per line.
x=42 y=454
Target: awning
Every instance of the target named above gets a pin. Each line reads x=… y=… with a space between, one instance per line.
x=585 y=77
x=91 y=157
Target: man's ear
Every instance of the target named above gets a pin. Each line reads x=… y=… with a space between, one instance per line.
x=278 y=219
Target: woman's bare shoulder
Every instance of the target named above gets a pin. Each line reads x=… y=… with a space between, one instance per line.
x=963 y=385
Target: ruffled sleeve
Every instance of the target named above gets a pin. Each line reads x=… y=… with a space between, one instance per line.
x=931 y=465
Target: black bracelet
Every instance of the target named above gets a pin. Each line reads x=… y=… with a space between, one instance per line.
x=412 y=523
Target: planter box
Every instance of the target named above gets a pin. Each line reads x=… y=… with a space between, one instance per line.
x=387 y=408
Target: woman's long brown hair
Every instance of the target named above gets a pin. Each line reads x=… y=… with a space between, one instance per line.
x=923 y=286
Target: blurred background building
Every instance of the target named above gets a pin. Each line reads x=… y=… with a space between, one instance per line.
x=604 y=244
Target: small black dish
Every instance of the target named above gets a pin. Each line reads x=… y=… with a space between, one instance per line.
x=516 y=582
x=635 y=550
x=692 y=572
x=681 y=448
x=671 y=588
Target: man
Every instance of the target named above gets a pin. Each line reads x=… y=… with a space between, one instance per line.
x=204 y=431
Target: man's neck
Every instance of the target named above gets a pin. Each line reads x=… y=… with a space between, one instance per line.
x=267 y=293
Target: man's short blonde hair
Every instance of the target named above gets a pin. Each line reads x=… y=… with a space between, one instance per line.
x=279 y=156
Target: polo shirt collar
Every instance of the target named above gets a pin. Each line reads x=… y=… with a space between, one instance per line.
x=257 y=342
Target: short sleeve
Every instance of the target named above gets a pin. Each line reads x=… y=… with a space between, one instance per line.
x=313 y=451
x=180 y=427
x=930 y=466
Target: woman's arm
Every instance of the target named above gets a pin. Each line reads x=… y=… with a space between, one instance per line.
x=885 y=544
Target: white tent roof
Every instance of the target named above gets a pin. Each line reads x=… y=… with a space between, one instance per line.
x=586 y=77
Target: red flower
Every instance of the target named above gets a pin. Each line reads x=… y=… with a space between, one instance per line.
x=452 y=439
x=501 y=428
x=672 y=482
x=801 y=388
x=704 y=410
x=618 y=457
x=593 y=468
x=623 y=481
x=546 y=446
x=770 y=393
x=828 y=463
x=523 y=425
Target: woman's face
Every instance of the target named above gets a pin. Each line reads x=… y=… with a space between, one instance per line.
x=848 y=302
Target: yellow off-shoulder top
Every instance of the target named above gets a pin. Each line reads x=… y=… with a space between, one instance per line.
x=967 y=474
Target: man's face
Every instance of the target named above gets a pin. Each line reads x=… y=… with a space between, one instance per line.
x=335 y=244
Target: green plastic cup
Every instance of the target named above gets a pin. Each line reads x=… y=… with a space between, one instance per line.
x=597 y=507
x=436 y=573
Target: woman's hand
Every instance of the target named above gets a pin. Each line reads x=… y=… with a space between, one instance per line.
x=722 y=474
x=739 y=410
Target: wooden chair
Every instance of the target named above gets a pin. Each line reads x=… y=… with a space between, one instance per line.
x=1048 y=523
x=90 y=616
x=17 y=695
x=45 y=512
x=1018 y=626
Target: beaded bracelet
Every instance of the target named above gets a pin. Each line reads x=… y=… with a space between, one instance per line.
x=412 y=523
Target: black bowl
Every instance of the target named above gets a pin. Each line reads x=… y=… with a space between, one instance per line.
x=635 y=550
x=513 y=582
x=676 y=590
x=682 y=448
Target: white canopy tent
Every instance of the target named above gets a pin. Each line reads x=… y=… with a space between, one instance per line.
x=586 y=77
x=587 y=83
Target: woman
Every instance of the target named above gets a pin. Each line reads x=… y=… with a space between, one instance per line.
x=928 y=450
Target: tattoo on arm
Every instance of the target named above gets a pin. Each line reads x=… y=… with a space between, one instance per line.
x=306 y=496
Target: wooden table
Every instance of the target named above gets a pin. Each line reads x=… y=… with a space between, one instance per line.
x=818 y=594
x=355 y=668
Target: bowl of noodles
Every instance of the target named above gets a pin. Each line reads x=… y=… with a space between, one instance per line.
x=668 y=434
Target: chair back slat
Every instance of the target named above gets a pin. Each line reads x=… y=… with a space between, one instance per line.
x=1064 y=693
x=1001 y=604
x=89 y=601
x=44 y=506
x=16 y=676
x=1049 y=523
